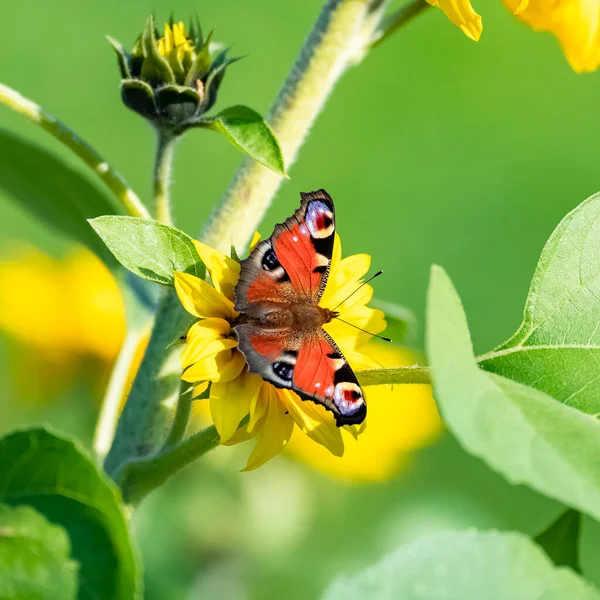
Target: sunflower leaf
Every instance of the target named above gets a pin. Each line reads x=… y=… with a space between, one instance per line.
x=465 y=565
x=34 y=557
x=148 y=248
x=519 y=431
x=248 y=132
x=557 y=347
x=53 y=475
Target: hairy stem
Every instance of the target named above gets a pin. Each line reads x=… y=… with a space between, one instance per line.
x=115 y=183
x=140 y=477
x=394 y=375
x=340 y=36
x=115 y=392
x=142 y=427
x=165 y=151
x=182 y=417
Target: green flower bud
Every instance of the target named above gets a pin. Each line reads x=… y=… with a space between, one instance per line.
x=173 y=80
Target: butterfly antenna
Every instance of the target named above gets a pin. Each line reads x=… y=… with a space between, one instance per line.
x=356 y=290
x=385 y=339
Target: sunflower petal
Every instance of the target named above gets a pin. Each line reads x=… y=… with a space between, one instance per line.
x=275 y=433
x=255 y=240
x=230 y=403
x=315 y=422
x=202 y=299
x=344 y=331
x=259 y=405
x=224 y=271
x=217 y=363
x=199 y=335
x=461 y=14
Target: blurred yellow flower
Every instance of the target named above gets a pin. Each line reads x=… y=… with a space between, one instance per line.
x=402 y=419
x=211 y=355
x=60 y=312
x=576 y=24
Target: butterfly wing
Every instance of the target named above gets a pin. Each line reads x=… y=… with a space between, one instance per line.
x=288 y=269
x=323 y=375
x=293 y=264
x=310 y=364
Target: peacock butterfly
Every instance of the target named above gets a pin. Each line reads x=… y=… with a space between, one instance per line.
x=279 y=327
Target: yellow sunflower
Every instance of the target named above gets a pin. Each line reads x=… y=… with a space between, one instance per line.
x=575 y=23
x=211 y=356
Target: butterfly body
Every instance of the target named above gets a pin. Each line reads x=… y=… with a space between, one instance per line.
x=280 y=323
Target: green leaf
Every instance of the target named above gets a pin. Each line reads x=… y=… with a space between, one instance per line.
x=521 y=432
x=248 y=132
x=51 y=191
x=466 y=565
x=557 y=347
x=401 y=321
x=54 y=476
x=34 y=557
x=149 y=249
x=561 y=540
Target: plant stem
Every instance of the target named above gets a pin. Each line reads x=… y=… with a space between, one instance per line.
x=140 y=477
x=154 y=393
x=396 y=20
x=339 y=39
x=165 y=151
x=114 y=396
x=115 y=183
x=393 y=375
x=182 y=417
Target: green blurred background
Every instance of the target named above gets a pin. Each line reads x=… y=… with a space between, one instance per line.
x=436 y=150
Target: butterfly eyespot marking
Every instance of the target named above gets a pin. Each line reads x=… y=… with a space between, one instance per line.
x=270 y=261
x=348 y=397
x=283 y=370
x=319 y=220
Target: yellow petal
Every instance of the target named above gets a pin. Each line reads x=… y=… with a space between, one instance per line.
x=315 y=422
x=345 y=280
x=461 y=14
x=199 y=335
x=179 y=35
x=523 y=4
x=218 y=363
x=230 y=402
x=255 y=240
x=224 y=271
x=258 y=407
x=167 y=41
x=274 y=434
x=347 y=336
x=576 y=24
x=201 y=299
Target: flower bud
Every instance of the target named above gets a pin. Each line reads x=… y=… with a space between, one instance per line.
x=171 y=80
